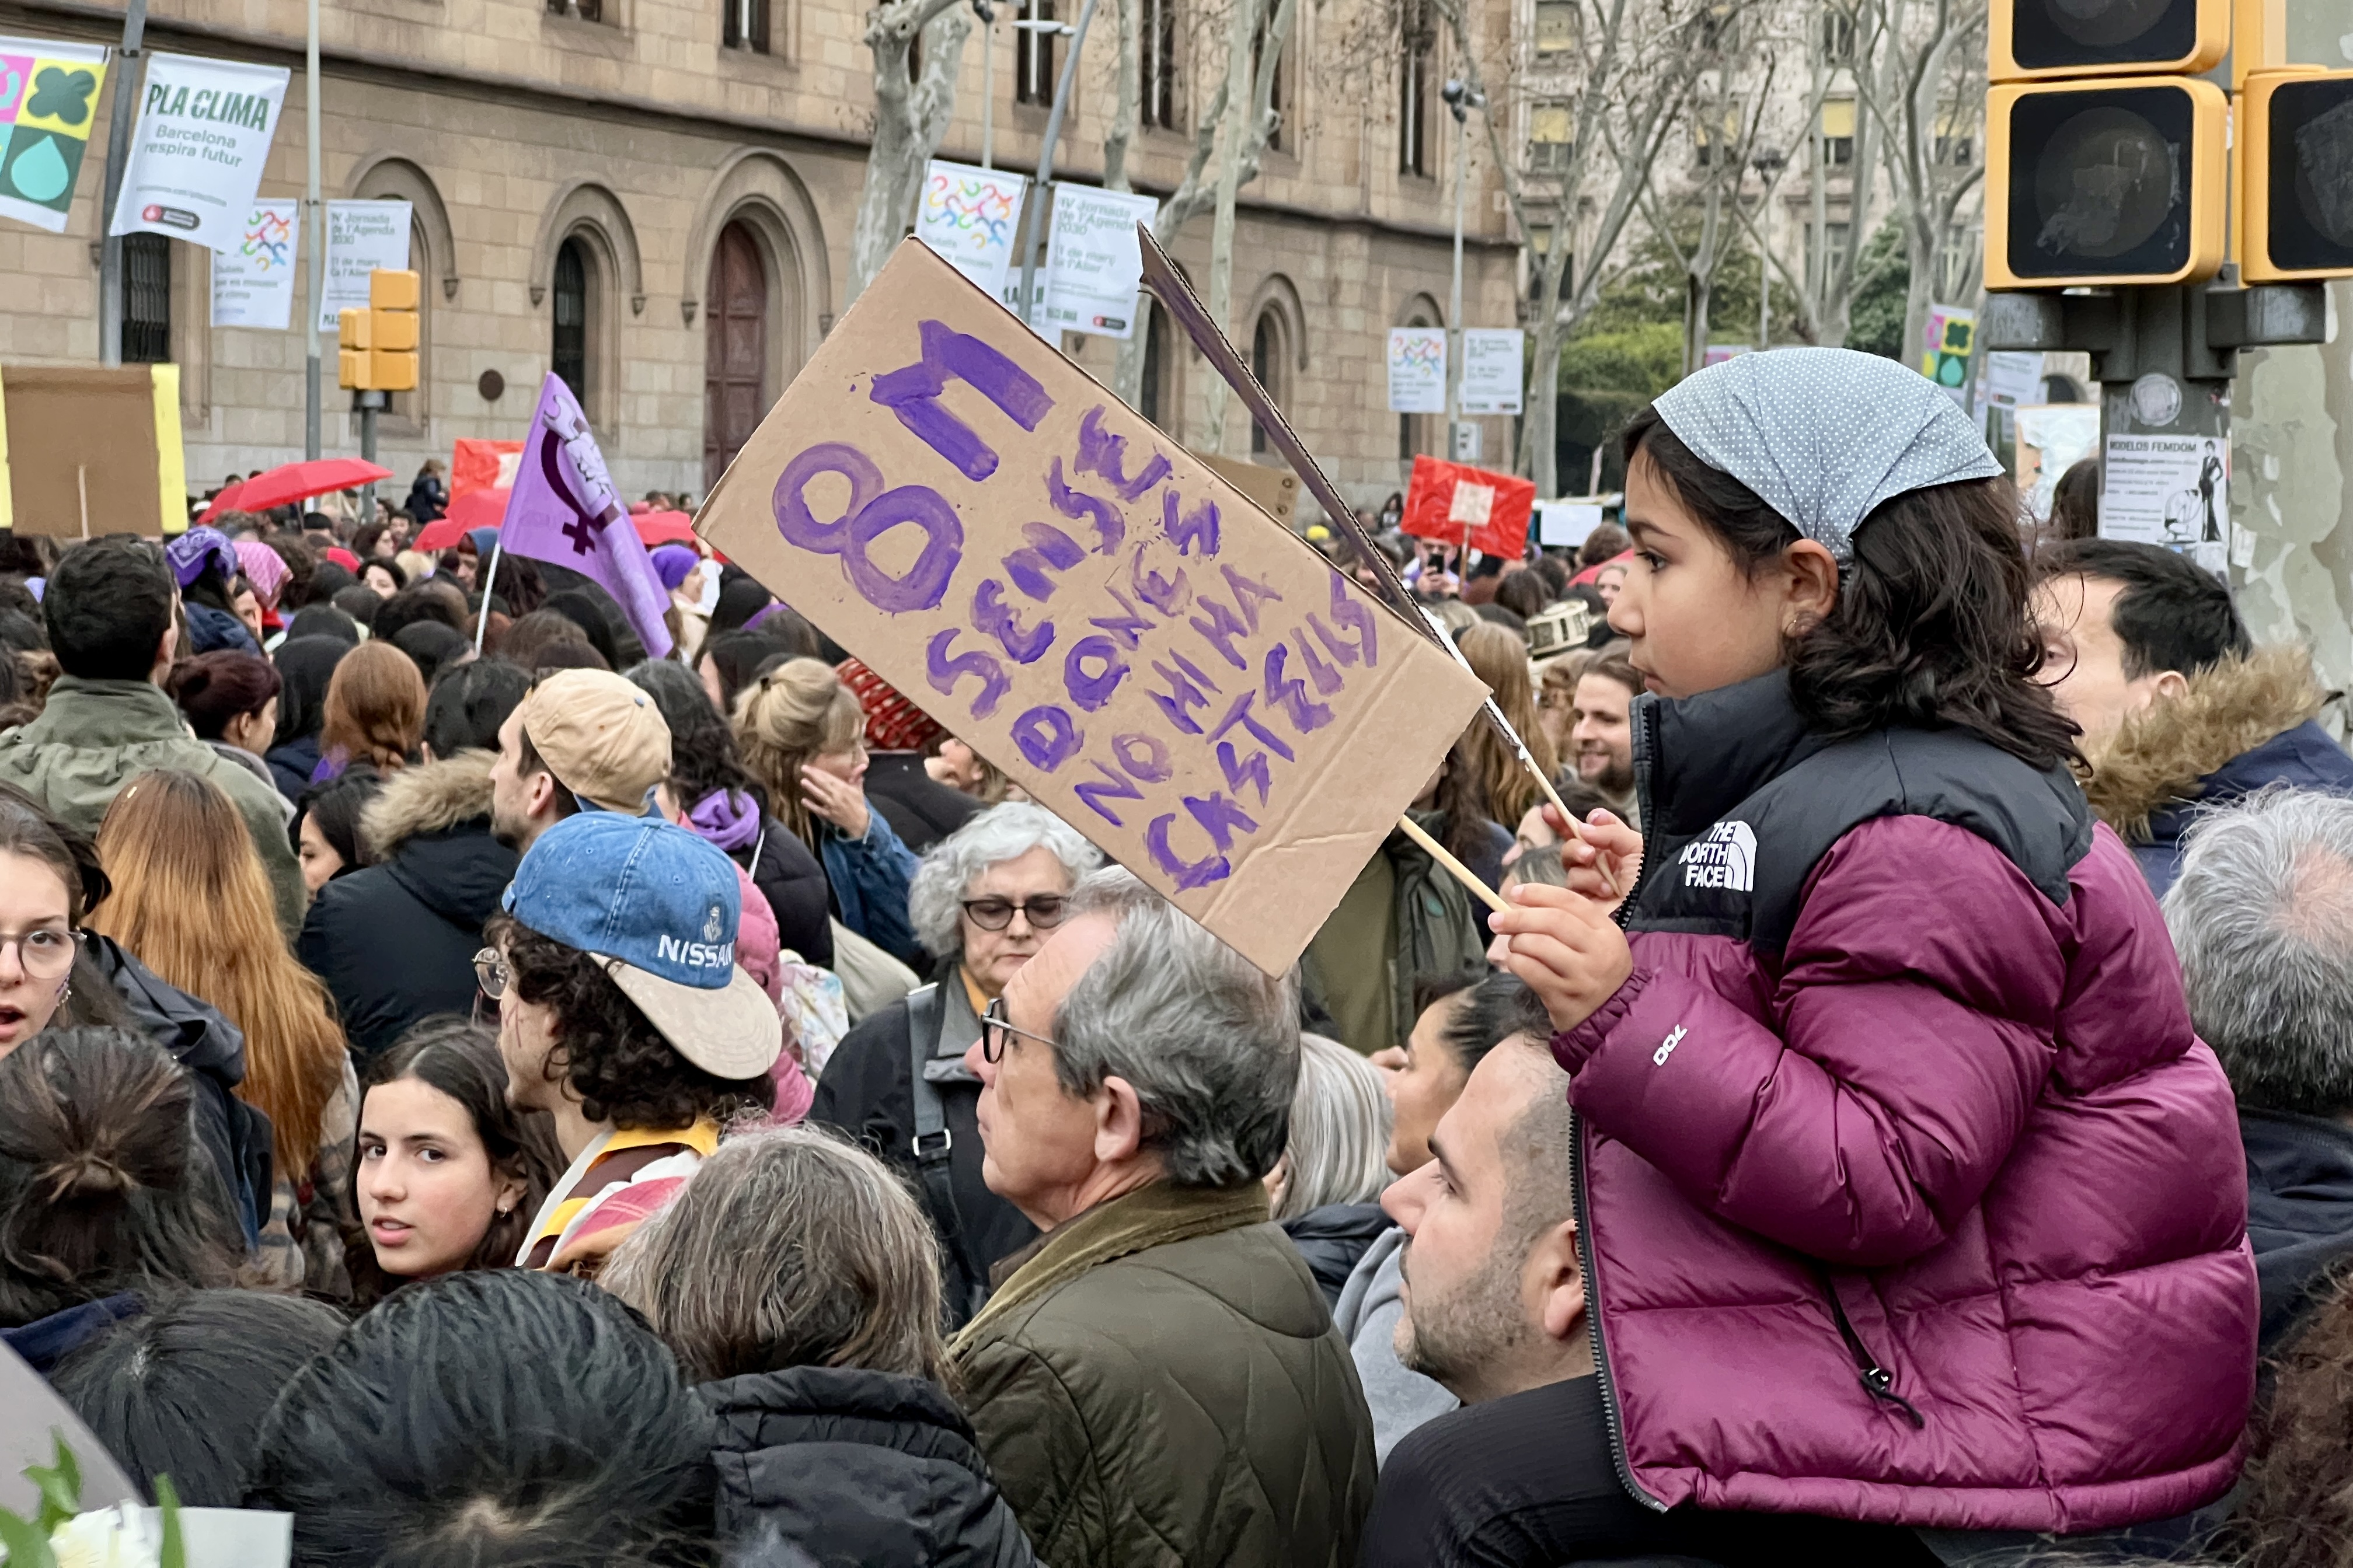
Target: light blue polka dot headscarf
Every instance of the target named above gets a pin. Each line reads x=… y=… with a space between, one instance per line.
x=1823 y=436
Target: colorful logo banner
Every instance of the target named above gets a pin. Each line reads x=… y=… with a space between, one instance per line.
x=48 y=101
x=253 y=280
x=970 y=216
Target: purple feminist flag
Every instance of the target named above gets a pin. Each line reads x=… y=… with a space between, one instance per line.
x=564 y=512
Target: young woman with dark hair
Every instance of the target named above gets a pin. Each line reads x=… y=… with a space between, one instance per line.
x=306 y=664
x=491 y=1418
x=448 y=1174
x=229 y=697
x=190 y=899
x=103 y=1189
x=180 y=1389
x=1905 y=1192
x=326 y=828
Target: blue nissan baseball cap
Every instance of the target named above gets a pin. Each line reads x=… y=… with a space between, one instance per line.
x=660 y=906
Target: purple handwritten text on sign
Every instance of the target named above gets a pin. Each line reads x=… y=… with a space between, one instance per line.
x=913 y=392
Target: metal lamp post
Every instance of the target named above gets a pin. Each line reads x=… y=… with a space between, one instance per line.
x=1044 y=182
x=1461 y=99
x=1767 y=161
x=987 y=14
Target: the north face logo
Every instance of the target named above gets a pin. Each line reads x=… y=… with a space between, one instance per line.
x=1726 y=859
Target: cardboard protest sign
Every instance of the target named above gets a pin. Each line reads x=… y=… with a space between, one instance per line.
x=95 y=451
x=1089 y=607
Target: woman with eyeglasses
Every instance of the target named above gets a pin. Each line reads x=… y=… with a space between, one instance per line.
x=54 y=975
x=984 y=901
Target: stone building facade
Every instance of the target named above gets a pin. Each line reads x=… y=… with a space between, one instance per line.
x=586 y=176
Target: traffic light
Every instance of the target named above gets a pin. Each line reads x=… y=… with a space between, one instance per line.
x=2296 y=176
x=2038 y=38
x=378 y=345
x=2109 y=180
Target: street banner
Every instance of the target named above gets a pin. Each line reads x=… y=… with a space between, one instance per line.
x=196 y=152
x=2173 y=491
x=970 y=217
x=2051 y=438
x=1950 y=336
x=1417 y=370
x=2012 y=380
x=253 y=280
x=1094 y=264
x=362 y=237
x=1454 y=502
x=1492 y=361
x=565 y=511
x=48 y=101
x=1089 y=607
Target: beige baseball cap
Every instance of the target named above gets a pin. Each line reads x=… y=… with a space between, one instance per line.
x=601 y=736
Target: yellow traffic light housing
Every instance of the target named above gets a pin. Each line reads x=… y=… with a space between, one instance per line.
x=378 y=345
x=2106 y=181
x=2030 y=40
x=2296 y=176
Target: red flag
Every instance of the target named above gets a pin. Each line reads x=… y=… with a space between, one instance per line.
x=483 y=466
x=1445 y=499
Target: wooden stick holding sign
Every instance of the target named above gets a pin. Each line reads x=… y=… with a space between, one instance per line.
x=1463 y=874
x=1168 y=285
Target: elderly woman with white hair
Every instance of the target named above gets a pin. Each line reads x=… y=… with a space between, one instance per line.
x=1326 y=1191
x=984 y=901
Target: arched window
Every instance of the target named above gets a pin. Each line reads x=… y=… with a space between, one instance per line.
x=1266 y=363
x=574 y=278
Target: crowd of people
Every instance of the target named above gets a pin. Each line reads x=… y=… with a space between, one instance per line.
x=500 y=1098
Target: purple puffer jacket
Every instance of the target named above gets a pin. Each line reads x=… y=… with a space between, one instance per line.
x=1908 y=1194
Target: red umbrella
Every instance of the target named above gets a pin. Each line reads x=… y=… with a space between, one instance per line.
x=664 y=528
x=475 y=509
x=296 y=481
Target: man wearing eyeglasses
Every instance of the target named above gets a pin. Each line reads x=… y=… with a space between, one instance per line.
x=1157 y=1379
x=984 y=901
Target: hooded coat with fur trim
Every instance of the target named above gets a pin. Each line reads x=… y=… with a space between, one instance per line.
x=396 y=941
x=2242 y=725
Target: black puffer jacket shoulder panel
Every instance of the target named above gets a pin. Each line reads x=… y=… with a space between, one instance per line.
x=858 y=1468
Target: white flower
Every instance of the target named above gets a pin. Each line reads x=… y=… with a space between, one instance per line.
x=104 y=1539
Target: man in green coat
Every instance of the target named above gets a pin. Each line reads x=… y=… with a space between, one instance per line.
x=109 y=611
x=1156 y=1380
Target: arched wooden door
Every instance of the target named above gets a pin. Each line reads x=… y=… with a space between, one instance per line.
x=736 y=349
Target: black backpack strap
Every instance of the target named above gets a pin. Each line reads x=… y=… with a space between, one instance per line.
x=933 y=1140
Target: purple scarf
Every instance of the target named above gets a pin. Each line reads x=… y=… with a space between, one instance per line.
x=725 y=819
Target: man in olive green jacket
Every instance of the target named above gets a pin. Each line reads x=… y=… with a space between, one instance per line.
x=108 y=607
x=1156 y=1380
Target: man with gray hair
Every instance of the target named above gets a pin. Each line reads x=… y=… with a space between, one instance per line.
x=2263 y=917
x=1157 y=1378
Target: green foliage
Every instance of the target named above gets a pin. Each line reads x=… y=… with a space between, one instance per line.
x=1644 y=357
x=59 y=1485
x=174 y=1552
x=26 y=1542
x=1882 y=277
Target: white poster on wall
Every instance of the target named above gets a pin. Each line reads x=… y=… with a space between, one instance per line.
x=2173 y=491
x=970 y=216
x=1094 y=264
x=196 y=153
x=362 y=237
x=1417 y=370
x=253 y=280
x=1492 y=360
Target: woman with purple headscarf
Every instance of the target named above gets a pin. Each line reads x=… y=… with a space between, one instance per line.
x=206 y=566
x=681 y=572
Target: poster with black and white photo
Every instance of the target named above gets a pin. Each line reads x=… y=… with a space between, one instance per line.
x=2173 y=491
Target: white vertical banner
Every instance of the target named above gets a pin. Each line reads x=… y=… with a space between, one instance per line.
x=362 y=237
x=196 y=153
x=970 y=217
x=1417 y=370
x=1094 y=264
x=1492 y=362
x=253 y=279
